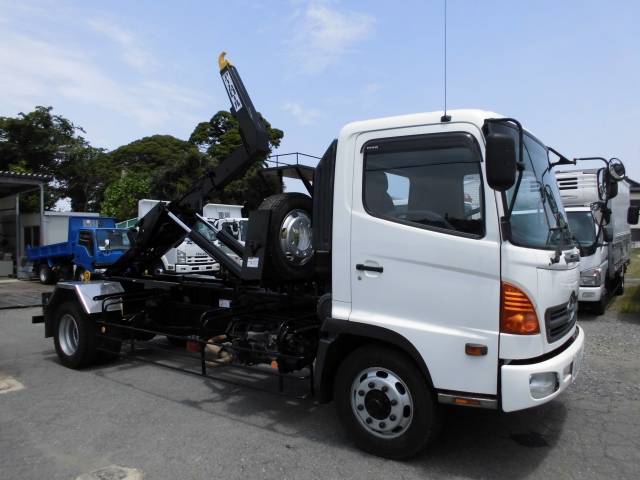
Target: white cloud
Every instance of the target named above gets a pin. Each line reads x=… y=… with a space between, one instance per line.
x=304 y=116
x=371 y=88
x=42 y=69
x=324 y=35
x=132 y=52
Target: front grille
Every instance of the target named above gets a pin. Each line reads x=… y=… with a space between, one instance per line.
x=559 y=320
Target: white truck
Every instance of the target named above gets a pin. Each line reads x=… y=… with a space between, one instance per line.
x=604 y=250
x=462 y=291
x=185 y=258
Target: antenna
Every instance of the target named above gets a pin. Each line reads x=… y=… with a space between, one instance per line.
x=445 y=117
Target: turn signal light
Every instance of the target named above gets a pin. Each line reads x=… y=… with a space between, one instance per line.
x=517 y=314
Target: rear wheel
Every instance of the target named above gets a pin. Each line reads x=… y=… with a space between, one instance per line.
x=620 y=289
x=291 y=250
x=74 y=336
x=385 y=403
x=45 y=274
x=79 y=273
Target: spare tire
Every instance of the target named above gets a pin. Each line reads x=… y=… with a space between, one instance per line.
x=290 y=252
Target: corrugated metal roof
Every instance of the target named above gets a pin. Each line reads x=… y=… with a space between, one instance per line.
x=25 y=176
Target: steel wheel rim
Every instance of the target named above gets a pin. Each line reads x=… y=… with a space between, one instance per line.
x=68 y=334
x=382 y=402
x=43 y=275
x=295 y=237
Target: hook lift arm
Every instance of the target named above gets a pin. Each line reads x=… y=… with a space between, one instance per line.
x=166 y=226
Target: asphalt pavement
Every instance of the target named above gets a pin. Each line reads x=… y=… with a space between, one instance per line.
x=57 y=423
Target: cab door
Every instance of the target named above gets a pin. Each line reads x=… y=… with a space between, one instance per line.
x=425 y=257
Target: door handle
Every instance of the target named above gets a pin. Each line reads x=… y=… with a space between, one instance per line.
x=368 y=268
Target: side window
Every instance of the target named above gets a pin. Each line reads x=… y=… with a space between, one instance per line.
x=85 y=238
x=433 y=181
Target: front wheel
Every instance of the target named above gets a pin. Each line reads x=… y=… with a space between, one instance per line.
x=45 y=274
x=600 y=306
x=385 y=403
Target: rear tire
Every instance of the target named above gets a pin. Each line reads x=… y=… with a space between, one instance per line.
x=45 y=274
x=79 y=274
x=385 y=404
x=290 y=225
x=620 y=289
x=74 y=336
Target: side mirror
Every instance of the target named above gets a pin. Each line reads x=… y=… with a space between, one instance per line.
x=607 y=186
x=501 y=161
x=607 y=234
x=633 y=214
x=608 y=179
x=617 y=170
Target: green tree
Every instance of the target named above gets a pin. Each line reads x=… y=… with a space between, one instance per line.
x=84 y=176
x=36 y=141
x=170 y=164
x=121 y=197
x=218 y=138
x=41 y=142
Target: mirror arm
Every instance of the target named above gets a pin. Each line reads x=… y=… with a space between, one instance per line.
x=562 y=159
x=520 y=167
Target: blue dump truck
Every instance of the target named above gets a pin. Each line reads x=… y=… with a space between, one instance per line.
x=92 y=244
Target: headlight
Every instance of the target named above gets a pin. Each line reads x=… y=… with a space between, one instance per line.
x=181 y=257
x=591 y=277
x=543 y=384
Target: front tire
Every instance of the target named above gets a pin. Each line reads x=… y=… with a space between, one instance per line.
x=74 y=336
x=385 y=404
x=45 y=274
x=600 y=306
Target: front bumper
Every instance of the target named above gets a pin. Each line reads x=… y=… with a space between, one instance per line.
x=196 y=268
x=516 y=392
x=591 y=294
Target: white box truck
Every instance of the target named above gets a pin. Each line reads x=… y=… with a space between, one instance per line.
x=228 y=218
x=604 y=252
x=185 y=258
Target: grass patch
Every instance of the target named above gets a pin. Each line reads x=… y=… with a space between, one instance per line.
x=634 y=266
x=630 y=302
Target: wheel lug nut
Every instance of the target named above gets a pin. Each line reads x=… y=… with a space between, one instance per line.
x=368 y=420
x=372 y=385
x=360 y=407
x=361 y=393
x=394 y=402
x=392 y=418
x=385 y=388
x=382 y=424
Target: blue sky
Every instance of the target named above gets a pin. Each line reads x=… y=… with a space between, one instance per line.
x=570 y=70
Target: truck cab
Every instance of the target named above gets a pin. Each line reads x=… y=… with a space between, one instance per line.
x=421 y=249
x=99 y=247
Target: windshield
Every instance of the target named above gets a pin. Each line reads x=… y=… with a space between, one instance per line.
x=538 y=219
x=582 y=227
x=243 y=224
x=118 y=239
x=205 y=231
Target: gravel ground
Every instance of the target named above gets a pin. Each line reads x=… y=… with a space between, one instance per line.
x=165 y=424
